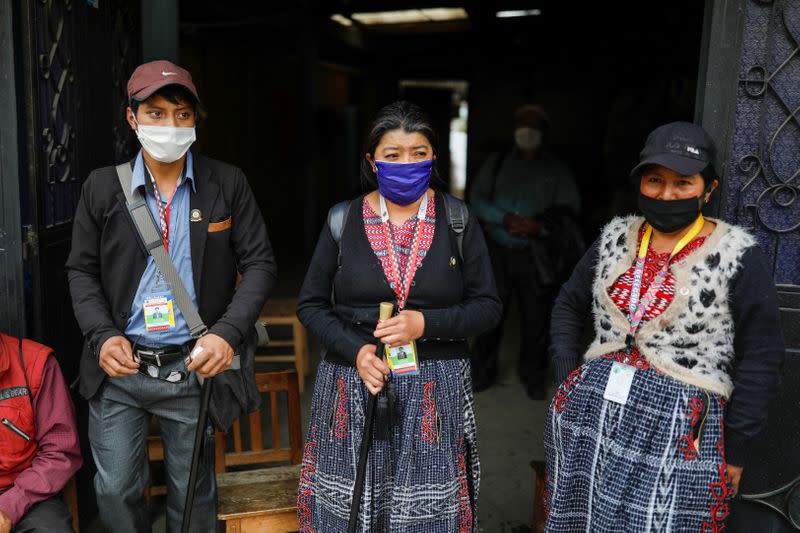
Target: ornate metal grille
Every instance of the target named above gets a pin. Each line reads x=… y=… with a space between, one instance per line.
x=57 y=109
x=765 y=165
x=763 y=195
x=126 y=53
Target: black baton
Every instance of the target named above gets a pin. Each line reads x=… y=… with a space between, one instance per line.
x=386 y=310
x=205 y=395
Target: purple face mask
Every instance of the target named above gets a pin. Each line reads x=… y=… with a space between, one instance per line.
x=403 y=183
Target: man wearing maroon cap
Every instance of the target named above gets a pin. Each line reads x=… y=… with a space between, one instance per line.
x=140 y=357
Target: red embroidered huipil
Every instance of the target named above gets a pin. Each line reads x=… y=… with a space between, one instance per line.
x=620 y=292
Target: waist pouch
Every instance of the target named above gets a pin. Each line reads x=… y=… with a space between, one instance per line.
x=234 y=392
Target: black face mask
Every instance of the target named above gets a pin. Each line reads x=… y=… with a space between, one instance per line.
x=670 y=215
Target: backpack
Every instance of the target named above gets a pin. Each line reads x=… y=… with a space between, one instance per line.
x=457 y=217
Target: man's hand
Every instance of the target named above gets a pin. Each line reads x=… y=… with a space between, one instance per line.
x=734 y=477
x=511 y=223
x=521 y=226
x=372 y=369
x=5 y=523
x=116 y=357
x=530 y=226
x=402 y=329
x=210 y=356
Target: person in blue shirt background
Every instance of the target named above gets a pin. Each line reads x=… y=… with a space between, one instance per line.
x=526 y=200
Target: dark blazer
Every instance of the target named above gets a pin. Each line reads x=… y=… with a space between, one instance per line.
x=108 y=258
x=457 y=298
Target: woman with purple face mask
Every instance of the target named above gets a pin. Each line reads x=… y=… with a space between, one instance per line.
x=396 y=243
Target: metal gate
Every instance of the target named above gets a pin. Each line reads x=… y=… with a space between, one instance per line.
x=75 y=62
x=751 y=104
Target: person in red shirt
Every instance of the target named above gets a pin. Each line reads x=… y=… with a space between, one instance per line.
x=39 y=446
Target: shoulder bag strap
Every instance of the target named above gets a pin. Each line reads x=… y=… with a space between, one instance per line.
x=140 y=213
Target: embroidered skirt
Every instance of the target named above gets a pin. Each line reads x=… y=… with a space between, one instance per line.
x=423 y=479
x=635 y=467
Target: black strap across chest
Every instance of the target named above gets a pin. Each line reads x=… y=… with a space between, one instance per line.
x=457 y=217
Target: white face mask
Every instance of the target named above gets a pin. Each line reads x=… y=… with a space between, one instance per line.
x=528 y=139
x=165 y=143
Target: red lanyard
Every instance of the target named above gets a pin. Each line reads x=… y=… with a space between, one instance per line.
x=163 y=210
x=402 y=281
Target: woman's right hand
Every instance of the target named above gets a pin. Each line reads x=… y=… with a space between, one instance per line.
x=372 y=369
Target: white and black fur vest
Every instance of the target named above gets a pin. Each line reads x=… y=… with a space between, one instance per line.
x=692 y=340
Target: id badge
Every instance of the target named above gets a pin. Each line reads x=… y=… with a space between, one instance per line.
x=619 y=383
x=403 y=359
x=159 y=311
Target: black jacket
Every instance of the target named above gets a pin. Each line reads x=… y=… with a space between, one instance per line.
x=457 y=298
x=108 y=258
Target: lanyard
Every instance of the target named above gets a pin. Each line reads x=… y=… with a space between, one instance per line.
x=636 y=307
x=402 y=281
x=164 y=210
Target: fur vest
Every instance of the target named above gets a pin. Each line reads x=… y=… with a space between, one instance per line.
x=693 y=339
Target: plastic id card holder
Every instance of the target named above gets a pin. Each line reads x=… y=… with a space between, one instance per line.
x=403 y=359
x=159 y=311
x=619 y=383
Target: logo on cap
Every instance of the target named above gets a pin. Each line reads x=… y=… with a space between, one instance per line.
x=693 y=150
x=163 y=73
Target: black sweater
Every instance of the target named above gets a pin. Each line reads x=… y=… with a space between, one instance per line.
x=757 y=340
x=457 y=298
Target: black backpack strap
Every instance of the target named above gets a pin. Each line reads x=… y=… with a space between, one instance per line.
x=337 y=218
x=457 y=218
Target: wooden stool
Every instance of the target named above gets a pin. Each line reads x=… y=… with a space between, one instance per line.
x=154 y=450
x=281 y=312
x=70 y=496
x=539 y=511
x=259 y=500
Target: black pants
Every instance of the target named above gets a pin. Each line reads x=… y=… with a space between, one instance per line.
x=48 y=516
x=515 y=274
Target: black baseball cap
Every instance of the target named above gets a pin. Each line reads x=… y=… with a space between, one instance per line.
x=683 y=147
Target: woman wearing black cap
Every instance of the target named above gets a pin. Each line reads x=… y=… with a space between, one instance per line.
x=651 y=431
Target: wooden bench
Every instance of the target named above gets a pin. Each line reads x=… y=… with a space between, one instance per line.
x=255 y=500
x=264 y=499
x=281 y=312
x=259 y=500
x=154 y=450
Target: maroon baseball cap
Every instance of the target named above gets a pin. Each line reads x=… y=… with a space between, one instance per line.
x=150 y=77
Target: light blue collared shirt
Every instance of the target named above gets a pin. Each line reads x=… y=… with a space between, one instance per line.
x=179 y=250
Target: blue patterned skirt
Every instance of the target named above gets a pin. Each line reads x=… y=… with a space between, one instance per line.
x=654 y=464
x=423 y=479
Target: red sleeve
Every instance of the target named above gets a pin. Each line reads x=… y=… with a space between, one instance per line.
x=58 y=456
